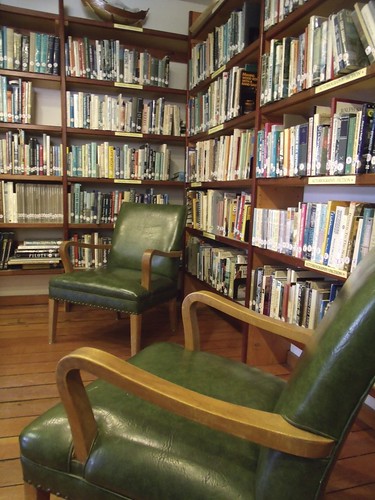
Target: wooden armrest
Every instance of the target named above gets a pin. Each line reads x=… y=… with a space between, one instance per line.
x=147 y=263
x=64 y=251
x=267 y=429
x=191 y=327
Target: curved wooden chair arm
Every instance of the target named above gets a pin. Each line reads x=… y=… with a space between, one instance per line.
x=191 y=327
x=147 y=263
x=64 y=251
x=267 y=429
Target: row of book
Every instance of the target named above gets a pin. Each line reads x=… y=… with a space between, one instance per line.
x=132 y=115
x=328 y=47
x=277 y=10
x=232 y=94
x=31 y=203
x=224 y=42
x=88 y=258
x=119 y=162
x=110 y=60
x=296 y=296
x=16 y=99
x=35 y=254
x=336 y=234
x=33 y=52
x=223 y=268
x=336 y=140
x=220 y=213
x=7 y=239
x=224 y=158
x=98 y=207
x=21 y=155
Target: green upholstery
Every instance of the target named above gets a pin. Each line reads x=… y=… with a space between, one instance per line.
x=144 y=452
x=118 y=286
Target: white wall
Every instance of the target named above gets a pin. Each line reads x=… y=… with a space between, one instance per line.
x=168 y=15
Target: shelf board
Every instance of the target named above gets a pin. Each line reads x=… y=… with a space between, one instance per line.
x=35 y=225
x=29 y=127
x=221 y=239
x=239 y=183
x=148 y=91
x=130 y=182
x=134 y=136
x=291 y=182
x=30 y=178
x=29 y=19
x=41 y=80
x=168 y=43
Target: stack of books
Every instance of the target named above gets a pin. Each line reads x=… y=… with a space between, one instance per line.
x=36 y=254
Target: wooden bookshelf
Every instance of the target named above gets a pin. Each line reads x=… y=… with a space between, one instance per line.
x=282 y=192
x=156 y=44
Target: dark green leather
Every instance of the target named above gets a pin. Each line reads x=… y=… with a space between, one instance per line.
x=139 y=227
x=328 y=386
x=143 y=452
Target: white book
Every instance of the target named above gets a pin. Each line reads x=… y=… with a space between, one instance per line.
x=341 y=215
x=368 y=13
x=357 y=245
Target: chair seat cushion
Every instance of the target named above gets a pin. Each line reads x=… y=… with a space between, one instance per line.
x=142 y=451
x=118 y=289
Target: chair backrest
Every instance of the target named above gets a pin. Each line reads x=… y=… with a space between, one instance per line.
x=328 y=387
x=141 y=226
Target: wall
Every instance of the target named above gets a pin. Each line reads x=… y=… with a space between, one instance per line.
x=168 y=15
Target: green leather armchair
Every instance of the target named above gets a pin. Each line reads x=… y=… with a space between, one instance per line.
x=142 y=270
x=175 y=422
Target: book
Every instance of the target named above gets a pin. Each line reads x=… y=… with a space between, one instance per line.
x=342 y=136
x=338 y=231
x=355 y=254
x=248 y=87
x=353 y=53
x=368 y=14
x=328 y=229
x=321 y=117
x=363 y=31
x=364 y=134
x=350 y=233
x=301 y=152
x=7 y=239
x=365 y=237
x=339 y=106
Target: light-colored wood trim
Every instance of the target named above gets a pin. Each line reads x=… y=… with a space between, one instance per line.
x=277 y=327
x=135 y=333
x=264 y=428
x=367 y=415
x=147 y=263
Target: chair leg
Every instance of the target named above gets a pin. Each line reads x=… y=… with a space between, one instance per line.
x=135 y=333
x=32 y=493
x=173 y=314
x=52 y=320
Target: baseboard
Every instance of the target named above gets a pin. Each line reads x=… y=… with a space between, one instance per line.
x=23 y=300
x=367 y=415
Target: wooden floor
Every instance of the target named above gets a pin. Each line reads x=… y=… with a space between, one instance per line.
x=27 y=387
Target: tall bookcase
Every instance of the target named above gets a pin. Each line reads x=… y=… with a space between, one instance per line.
x=81 y=98
x=224 y=51
x=278 y=192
